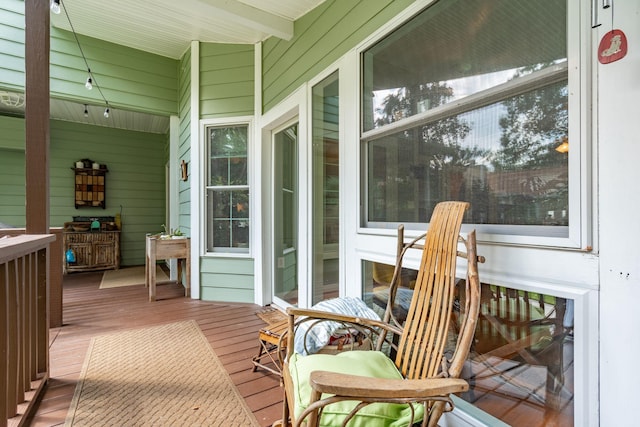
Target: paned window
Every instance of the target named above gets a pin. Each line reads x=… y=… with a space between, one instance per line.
x=227 y=189
x=470 y=101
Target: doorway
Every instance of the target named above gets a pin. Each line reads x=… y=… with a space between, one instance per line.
x=285 y=215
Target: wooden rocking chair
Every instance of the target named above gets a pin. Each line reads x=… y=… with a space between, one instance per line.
x=368 y=388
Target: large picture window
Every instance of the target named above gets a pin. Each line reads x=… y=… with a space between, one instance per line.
x=227 y=189
x=470 y=101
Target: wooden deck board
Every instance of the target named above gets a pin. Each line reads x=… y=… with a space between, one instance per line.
x=230 y=328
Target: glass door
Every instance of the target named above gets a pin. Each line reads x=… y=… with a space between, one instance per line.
x=285 y=215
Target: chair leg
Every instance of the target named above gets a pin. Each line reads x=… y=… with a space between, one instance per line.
x=267 y=350
x=285 y=409
x=257 y=358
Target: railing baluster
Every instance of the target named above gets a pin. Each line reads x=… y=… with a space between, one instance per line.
x=4 y=353
x=33 y=324
x=12 y=323
x=24 y=382
x=43 y=312
x=24 y=325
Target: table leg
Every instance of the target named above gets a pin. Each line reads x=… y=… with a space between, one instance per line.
x=146 y=271
x=152 y=279
x=179 y=271
x=187 y=286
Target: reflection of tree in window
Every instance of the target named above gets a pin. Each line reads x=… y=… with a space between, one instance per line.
x=437 y=166
x=408 y=101
x=531 y=127
x=228 y=156
x=518 y=177
x=532 y=174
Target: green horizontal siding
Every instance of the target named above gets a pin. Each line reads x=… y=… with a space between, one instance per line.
x=227 y=295
x=227 y=279
x=226 y=90
x=12 y=187
x=12 y=44
x=184 y=143
x=135 y=181
x=12 y=172
x=129 y=78
x=226 y=80
x=321 y=37
x=13 y=133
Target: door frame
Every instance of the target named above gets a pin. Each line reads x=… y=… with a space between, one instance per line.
x=292 y=109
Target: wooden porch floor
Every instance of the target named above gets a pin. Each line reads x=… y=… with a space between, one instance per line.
x=232 y=331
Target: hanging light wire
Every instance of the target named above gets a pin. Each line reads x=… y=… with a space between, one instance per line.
x=91 y=79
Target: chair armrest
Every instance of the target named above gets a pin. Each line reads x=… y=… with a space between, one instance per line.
x=297 y=316
x=370 y=388
x=337 y=317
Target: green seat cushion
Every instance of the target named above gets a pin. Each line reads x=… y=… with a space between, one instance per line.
x=364 y=363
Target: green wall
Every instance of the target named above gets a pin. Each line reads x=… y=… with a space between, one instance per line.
x=321 y=37
x=12 y=44
x=226 y=90
x=130 y=79
x=12 y=185
x=184 y=143
x=135 y=181
x=226 y=80
x=11 y=133
x=227 y=279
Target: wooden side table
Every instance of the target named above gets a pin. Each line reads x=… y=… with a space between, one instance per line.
x=268 y=349
x=157 y=248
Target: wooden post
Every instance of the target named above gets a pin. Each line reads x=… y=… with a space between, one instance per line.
x=37 y=20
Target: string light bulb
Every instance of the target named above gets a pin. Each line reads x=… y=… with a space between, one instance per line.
x=55 y=6
x=90 y=82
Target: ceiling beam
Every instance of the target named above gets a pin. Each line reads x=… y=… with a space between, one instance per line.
x=246 y=16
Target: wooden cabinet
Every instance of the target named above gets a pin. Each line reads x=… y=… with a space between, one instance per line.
x=90 y=187
x=97 y=250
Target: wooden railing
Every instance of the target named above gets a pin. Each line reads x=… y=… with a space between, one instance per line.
x=55 y=271
x=24 y=324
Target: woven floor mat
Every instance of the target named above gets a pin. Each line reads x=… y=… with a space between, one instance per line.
x=159 y=376
x=129 y=276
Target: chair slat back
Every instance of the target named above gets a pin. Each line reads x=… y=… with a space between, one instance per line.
x=422 y=343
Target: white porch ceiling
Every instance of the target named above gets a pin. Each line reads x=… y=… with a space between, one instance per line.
x=166 y=28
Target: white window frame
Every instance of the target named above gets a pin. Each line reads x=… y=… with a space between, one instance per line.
x=225 y=122
x=580 y=223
